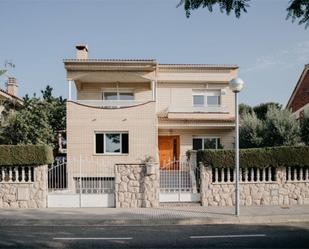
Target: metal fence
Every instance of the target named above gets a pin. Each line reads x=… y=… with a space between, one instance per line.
x=179 y=176
x=81 y=175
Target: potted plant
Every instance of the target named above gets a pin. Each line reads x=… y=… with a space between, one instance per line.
x=150 y=163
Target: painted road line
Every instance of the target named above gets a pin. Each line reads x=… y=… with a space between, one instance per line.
x=93 y=238
x=228 y=236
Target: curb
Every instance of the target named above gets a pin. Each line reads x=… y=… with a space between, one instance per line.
x=272 y=219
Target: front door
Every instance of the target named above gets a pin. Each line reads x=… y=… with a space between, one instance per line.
x=169 y=149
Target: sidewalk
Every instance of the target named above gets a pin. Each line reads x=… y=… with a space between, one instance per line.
x=184 y=215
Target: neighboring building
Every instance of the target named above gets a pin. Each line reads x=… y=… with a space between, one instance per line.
x=127 y=110
x=299 y=100
x=11 y=93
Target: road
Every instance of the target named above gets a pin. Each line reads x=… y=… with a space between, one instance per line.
x=203 y=236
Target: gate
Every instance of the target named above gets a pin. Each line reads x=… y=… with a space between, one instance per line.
x=179 y=182
x=80 y=182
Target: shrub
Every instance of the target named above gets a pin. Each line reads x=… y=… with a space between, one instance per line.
x=250 y=131
x=256 y=157
x=281 y=128
x=262 y=109
x=304 y=128
x=25 y=155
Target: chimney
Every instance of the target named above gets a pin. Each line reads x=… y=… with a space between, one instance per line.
x=12 y=86
x=82 y=51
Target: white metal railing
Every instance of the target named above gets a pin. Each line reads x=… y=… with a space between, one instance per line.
x=16 y=174
x=179 y=176
x=248 y=175
x=109 y=103
x=57 y=175
x=297 y=174
x=199 y=109
x=81 y=175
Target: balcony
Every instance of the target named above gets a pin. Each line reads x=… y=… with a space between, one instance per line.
x=198 y=109
x=110 y=104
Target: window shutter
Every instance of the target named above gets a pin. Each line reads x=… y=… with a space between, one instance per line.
x=125 y=143
x=99 y=143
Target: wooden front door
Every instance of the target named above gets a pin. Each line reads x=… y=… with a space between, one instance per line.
x=169 y=149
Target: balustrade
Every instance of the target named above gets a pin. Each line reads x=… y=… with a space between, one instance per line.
x=16 y=174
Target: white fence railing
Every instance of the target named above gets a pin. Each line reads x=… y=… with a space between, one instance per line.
x=248 y=175
x=16 y=174
x=199 y=109
x=81 y=175
x=179 y=176
x=297 y=174
x=58 y=175
x=109 y=103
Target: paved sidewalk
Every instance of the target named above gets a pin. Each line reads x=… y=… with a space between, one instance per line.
x=168 y=215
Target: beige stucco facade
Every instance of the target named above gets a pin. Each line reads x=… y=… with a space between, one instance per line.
x=162 y=106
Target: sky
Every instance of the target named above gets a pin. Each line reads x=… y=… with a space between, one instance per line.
x=37 y=35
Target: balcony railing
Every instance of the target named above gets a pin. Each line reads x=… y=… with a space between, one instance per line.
x=199 y=109
x=110 y=103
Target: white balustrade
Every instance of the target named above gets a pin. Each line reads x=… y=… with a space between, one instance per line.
x=251 y=175
x=15 y=174
x=297 y=174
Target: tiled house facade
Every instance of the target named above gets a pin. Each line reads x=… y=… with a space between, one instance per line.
x=127 y=110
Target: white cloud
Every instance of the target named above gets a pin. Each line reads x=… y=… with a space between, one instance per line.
x=286 y=58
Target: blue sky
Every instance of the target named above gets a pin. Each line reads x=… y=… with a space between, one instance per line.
x=37 y=35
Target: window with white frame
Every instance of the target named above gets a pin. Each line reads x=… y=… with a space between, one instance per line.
x=118 y=95
x=203 y=143
x=207 y=97
x=111 y=143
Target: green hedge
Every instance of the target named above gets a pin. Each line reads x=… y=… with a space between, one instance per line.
x=257 y=157
x=25 y=155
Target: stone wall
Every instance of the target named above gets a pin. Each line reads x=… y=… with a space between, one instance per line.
x=23 y=194
x=134 y=188
x=278 y=192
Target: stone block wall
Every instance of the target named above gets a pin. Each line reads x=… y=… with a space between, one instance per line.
x=134 y=188
x=278 y=192
x=24 y=194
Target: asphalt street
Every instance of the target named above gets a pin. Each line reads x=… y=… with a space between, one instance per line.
x=293 y=235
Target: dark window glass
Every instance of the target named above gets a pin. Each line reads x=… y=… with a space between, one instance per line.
x=99 y=143
x=125 y=143
x=197 y=144
x=210 y=143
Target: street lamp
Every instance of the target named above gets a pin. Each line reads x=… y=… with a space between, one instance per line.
x=236 y=85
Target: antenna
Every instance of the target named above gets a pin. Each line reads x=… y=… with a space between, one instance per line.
x=9 y=64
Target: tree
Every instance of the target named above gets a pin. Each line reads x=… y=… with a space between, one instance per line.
x=245 y=109
x=250 y=132
x=297 y=9
x=261 y=109
x=280 y=128
x=304 y=128
x=28 y=125
x=37 y=121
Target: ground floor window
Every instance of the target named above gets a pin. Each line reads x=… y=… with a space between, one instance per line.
x=111 y=143
x=202 y=143
x=94 y=185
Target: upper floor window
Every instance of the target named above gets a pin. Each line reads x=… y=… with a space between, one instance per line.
x=118 y=95
x=206 y=97
x=111 y=143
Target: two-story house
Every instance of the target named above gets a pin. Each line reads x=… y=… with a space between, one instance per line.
x=9 y=94
x=128 y=110
x=299 y=100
